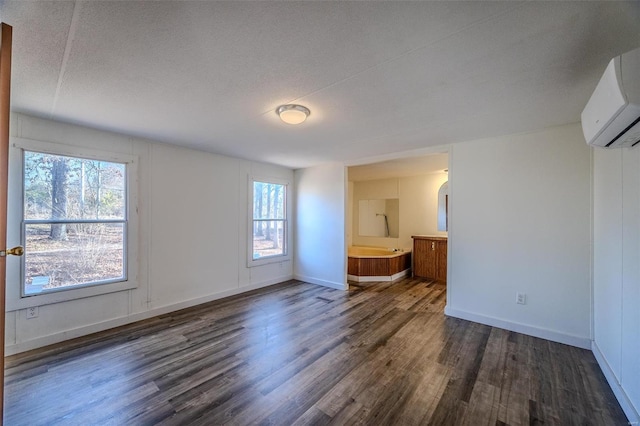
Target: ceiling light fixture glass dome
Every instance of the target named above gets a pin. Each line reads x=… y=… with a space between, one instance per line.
x=292 y=113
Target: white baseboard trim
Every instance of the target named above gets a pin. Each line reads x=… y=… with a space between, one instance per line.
x=627 y=406
x=117 y=322
x=324 y=283
x=379 y=278
x=543 y=333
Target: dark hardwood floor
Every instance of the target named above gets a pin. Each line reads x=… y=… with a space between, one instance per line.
x=296 y=353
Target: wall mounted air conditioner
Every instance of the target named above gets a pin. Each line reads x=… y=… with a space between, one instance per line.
x=611 y=118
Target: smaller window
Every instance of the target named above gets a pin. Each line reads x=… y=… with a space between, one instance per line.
x=269 y=225
x=74 y=224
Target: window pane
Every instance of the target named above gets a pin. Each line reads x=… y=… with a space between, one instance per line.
x=59 y=187
x=268 y=238
x=88 y=253
x=269 y=200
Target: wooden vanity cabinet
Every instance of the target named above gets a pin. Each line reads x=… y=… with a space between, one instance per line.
x=430 y=257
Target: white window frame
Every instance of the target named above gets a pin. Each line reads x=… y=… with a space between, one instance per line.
x=15 y=220
x=251 y=262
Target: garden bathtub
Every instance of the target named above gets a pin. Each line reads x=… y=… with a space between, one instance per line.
x=377 y=263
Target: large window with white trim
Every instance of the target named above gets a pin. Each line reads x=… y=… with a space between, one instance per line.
x=74 y=225
x=269 y=224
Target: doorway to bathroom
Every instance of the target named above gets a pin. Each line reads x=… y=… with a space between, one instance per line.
x=392 y=205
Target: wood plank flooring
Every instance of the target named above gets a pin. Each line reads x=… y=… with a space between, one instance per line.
x=300 y=354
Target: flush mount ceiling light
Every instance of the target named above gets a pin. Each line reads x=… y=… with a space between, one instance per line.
x=292 y=113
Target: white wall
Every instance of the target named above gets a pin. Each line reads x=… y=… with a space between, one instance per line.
x=520 y=221
x=319 y=231
x=616 y=279
x=192 y=238
x=418 y=197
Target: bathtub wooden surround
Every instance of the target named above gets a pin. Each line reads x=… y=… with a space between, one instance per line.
x=377 y=264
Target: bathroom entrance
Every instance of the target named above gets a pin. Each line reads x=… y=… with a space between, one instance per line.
x=399 y=206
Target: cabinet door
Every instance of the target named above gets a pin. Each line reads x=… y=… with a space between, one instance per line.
x=424 y=258
x=441 y=254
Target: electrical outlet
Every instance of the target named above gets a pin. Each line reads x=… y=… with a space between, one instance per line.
x=521 y=298
x=32 y=312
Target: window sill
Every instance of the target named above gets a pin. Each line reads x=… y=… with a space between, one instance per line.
x=268 y=260
x=60 y=296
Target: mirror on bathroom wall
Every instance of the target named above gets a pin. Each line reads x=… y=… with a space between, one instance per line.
x=443 y=207
x=379 y=218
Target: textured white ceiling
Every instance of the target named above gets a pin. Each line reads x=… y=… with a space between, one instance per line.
x=379 y=77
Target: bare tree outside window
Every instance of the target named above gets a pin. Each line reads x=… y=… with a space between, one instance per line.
x=59 y=171
x=269 y=220
x=74 y=222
